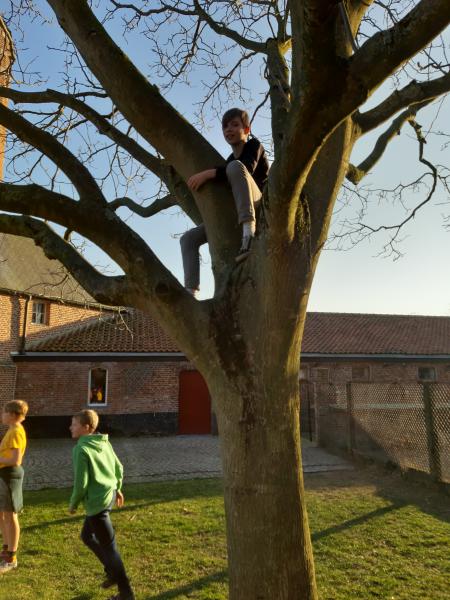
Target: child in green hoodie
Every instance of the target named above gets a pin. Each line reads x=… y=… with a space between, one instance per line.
x=98 y=476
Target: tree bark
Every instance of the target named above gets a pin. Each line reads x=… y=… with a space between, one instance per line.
x=264 y=495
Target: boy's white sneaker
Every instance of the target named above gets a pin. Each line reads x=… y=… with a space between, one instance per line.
x=7 y=566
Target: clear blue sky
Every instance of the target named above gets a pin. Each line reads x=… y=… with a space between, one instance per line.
x=355 y=280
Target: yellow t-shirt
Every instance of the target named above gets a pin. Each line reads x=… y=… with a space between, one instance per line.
x=15 y=437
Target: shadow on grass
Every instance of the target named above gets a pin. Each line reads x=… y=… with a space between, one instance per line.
x=356 y=521
x=81 y=516
x=198 y=584
x=391 y=485
x=159 y=491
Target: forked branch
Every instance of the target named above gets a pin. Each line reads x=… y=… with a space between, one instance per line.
x=107 y=290
x=356 y=173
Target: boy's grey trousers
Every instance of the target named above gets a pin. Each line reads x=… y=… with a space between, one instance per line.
x=246 y=195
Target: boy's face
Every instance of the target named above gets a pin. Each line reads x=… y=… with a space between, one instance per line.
x=234 y=131
x=77 y=429
x=11 y=418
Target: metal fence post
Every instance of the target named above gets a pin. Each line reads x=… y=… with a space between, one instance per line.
x=317 y=412
x=434 y=452
x=351 y=418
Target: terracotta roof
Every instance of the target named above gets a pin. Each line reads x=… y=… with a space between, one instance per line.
x=25 y=268
x=126 y=331
x=347 y=333
x=325 y=333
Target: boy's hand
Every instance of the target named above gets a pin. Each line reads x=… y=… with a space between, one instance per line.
x=119 y=499
x=196 y=181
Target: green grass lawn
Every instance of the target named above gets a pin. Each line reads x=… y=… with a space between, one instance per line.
x=374 y=535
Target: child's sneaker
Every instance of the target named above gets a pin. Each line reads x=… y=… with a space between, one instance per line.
x=107 y=583
x=6 y=566
x=245 y=248
x=122 y=597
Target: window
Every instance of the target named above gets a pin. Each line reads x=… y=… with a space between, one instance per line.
x=360 y=373
x=39 y=315
x=98 y=380
x=427 y=374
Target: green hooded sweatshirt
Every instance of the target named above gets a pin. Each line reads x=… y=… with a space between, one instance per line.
x=97 y=473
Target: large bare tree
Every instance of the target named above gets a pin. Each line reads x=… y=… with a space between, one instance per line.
x=321 y=60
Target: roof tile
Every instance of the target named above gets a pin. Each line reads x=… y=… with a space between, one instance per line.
x=325 y=333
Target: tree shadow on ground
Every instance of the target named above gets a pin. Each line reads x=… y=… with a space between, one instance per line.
x=162 y=491
x=81 y=516
x=198 y=584
x=391 y=485
x=356 y=521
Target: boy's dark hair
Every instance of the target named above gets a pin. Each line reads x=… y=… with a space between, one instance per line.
x=233 y=113
x=16 y=407
x=88 y=417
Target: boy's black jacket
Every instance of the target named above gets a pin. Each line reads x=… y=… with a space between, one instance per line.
x=253 y=156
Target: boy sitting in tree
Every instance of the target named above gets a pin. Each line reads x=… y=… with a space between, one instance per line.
x=246 y=171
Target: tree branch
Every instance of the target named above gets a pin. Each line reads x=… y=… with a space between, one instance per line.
x=156 y=120
x=396 y=45
x=412 y=93
x=398 y=226
x=349 y=80
x=102 y=124
x=108 y=290
x=77 y=173
x=139 y=101
x=222 y=29
x=159 y=167
x=144 y=211
x=102 y=227
x=279 y=90
x=355 y=174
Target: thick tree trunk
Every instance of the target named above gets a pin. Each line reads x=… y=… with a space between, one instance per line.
x=269 y=545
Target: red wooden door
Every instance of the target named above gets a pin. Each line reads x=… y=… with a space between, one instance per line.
x=194 y=404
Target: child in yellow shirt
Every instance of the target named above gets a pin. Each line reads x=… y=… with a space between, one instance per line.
x=12 y=449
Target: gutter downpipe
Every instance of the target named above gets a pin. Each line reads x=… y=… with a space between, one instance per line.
x=24 y=329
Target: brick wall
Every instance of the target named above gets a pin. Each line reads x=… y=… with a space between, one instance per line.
x=389 y=385
x=142 y=397
x=61 y=388
x=342 y=372
x=9 y=326
x=12 y=312
x=60 y=318
x=323 y=398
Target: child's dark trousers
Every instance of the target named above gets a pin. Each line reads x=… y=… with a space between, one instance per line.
x=98 y=535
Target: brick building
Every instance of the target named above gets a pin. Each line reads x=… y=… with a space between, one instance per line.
x=123 y=364
x=62 y=352
x=36 y=296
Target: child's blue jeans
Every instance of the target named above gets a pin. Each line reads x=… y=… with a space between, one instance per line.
x=98 y=535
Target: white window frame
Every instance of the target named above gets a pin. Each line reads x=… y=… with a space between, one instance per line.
x=89 y=403
x=44 y=314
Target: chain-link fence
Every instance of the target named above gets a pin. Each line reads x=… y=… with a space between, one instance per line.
x=405 y=423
